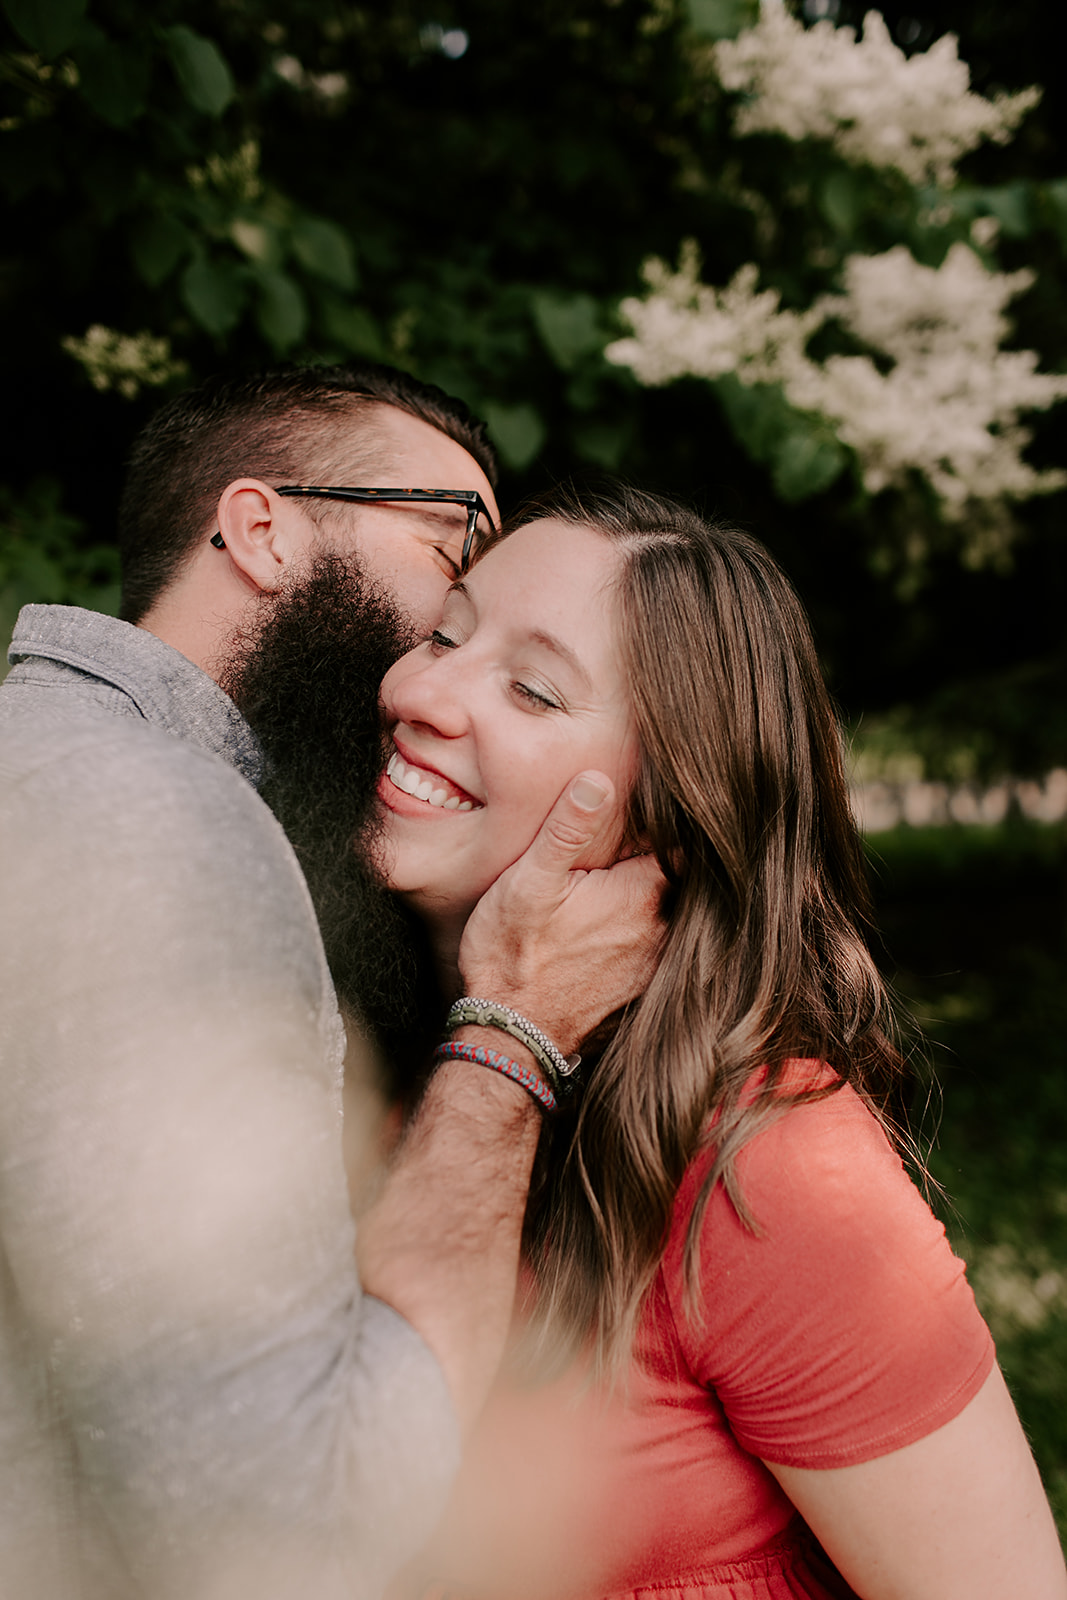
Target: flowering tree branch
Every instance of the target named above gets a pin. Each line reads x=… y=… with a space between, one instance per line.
x=874 y=103
x=922 y=384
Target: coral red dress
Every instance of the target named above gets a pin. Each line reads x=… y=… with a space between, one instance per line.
x=844 y=1330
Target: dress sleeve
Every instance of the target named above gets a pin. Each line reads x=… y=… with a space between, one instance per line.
x=844 y=1328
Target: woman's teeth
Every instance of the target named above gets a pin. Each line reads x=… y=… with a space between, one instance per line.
x=414 y=782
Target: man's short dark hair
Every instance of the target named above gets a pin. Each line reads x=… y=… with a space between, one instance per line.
x=285 y=424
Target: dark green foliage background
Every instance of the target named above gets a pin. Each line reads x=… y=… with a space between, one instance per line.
x=974 y=918
x=478 y=219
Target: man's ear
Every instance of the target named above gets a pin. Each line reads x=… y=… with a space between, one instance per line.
x=260 y=531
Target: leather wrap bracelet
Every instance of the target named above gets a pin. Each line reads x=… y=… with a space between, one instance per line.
x=473 y=1011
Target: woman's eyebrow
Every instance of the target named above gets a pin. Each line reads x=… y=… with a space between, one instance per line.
x=565 y=653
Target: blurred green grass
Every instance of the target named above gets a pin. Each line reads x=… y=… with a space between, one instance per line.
x=974 y=922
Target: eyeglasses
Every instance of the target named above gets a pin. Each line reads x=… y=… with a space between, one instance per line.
x=480 y=526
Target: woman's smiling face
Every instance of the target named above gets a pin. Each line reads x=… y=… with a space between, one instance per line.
x=520 y=687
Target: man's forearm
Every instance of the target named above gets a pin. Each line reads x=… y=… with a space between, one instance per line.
x=441 y=1244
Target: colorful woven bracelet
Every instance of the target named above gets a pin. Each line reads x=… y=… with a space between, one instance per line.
x=525 y=1076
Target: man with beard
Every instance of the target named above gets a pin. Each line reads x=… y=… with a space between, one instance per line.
x=198 y=1396
x=304 y=677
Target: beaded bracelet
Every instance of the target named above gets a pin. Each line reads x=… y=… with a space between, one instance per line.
x=525 y=1076
x=559 y=1071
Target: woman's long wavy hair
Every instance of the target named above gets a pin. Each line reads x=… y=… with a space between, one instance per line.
x=741 y=794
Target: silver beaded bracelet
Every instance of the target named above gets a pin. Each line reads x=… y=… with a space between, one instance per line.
x=560 y=1070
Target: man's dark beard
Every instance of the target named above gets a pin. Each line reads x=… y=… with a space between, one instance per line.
x=305 y=674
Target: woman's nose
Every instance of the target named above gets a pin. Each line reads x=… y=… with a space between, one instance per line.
x=428 y=693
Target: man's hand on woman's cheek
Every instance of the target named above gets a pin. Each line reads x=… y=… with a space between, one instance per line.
x=566 y=946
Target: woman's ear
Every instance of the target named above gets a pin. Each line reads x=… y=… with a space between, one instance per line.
x=259 y=530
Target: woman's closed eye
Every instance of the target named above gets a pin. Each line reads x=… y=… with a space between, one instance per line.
x=535 y=699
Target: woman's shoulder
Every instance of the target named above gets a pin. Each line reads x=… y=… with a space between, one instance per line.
x=839 y=1323
x=818 y=1178
x=817 y=1146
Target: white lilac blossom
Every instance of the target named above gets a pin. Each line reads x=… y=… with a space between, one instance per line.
x=947 y=407
x=684 y=328
x=127 y=362
x=874 y=103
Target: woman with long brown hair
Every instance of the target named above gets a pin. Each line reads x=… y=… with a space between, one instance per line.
x=746 y=1362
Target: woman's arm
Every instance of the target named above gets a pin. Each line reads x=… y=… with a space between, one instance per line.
x=959 y=1515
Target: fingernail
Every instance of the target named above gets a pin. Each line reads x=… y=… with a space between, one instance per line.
x=587 y=793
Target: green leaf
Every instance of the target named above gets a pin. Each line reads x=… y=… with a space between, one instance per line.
x=1055 y=202
x=517 y=431
x=1010 y=204
x=841 y=200
x=113 y=78
x=282 y=311
x=455 y=380
x=602 y=443
x=215 y=293
x=44 y=557
x=807 y=460
x=802 y=450
x=157 y=244
x=568 y=325
x=206 y=80
x=722 y=19
x=326 y=250
x=756 y=412
x=47 y=26
x=353 y=328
